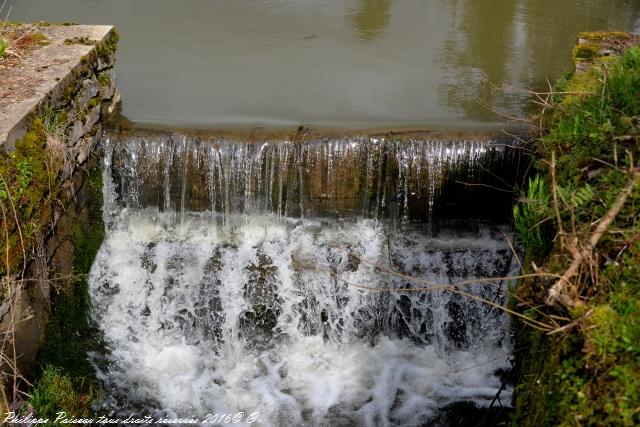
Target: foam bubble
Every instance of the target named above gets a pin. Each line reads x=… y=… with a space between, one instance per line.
x=261 y=317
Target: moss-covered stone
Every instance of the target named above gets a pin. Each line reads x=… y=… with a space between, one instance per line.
x=104 y=80
x=28 y=188
x=80 y=40
x=586 y=51
x=70 y=333
x=603 y=35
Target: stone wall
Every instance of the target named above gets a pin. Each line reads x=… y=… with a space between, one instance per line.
x=54 y=105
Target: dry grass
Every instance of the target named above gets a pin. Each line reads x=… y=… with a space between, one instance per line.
x=18 y=39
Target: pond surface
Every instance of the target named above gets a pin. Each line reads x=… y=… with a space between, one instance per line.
x=353 y=63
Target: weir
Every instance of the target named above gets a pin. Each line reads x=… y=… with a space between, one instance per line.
x=416 y=178
x=279 y=277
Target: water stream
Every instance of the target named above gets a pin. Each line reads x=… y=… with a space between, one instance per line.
x=235 y=306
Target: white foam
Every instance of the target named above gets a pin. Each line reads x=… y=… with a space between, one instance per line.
x=170 y=299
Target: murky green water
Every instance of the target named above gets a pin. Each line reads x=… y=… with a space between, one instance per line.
x=346 y=63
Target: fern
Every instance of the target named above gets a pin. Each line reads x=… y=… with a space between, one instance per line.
x=576 y=198
x=531 y=214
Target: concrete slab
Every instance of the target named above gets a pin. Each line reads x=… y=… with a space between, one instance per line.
x=45 y=70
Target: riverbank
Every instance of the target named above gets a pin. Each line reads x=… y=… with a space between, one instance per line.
x=577 y=349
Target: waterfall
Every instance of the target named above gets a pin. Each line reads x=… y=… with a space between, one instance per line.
x=343 y=177
x=279 y=278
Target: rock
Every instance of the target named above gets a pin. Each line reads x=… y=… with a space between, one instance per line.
x=112 y=107
x=104 y=63
x=107 y=82
x=90 y=89
x=77 y=130
x=87 y=145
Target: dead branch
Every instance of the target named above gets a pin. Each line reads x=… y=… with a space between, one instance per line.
x=472 y=184
x=513 y=251
x=558 y=292
x=571 y=325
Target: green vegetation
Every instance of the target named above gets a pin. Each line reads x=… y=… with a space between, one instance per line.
x=29 y=190
x=584 y=370
x=31 y=195
x=26 y=195
x=80 y=40
x=3 y=46
x=586 y=51
x=104 y=79
x=70 y=332
x=532 y=213
x=108 y=47
x=603 y=35
x=55 y=392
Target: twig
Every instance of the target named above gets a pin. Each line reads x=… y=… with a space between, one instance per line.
x=557 y=292
x=570 y=325
x=513 y=251
x=556 y=207
x=452 y=288
x=471 y=184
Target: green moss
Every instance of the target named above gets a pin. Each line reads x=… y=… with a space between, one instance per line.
x=104 y=80
x=39 y=38
x=93 y=102
x=84 y=40
x=28 y=183
x=586 y=51
x=603 y=35
x=549 y=379
x=108 y=47
x=71 y=89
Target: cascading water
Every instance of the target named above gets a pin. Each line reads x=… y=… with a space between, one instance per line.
x=226 y=283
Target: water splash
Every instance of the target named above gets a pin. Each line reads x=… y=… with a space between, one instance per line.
x=242 y=307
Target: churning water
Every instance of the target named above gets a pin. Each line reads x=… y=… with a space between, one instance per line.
x=307 y=320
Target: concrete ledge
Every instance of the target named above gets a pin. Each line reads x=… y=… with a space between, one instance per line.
x=43 y=75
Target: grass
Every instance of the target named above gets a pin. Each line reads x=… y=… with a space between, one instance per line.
x=56 y=392
x=26 y=195
x=17 y=40
x=587 y=372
